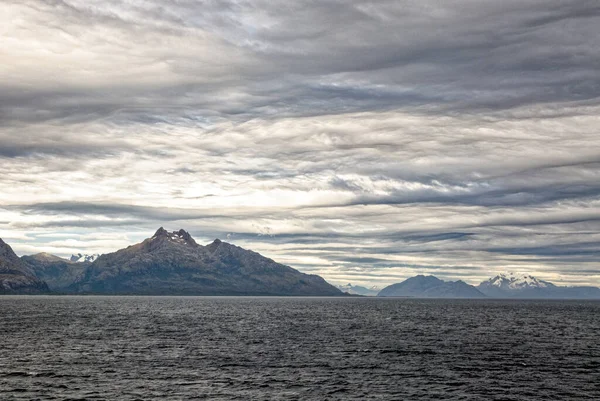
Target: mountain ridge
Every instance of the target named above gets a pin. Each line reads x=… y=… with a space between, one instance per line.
x=57 y=272
x=15 y=276
x=201 y=270
x=511 y=285
x=422 y=286
x=503 y=285
x=173 y=263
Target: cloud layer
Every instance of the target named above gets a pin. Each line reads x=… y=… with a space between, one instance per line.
x=362 y=141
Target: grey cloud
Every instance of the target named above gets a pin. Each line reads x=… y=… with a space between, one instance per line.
x=369 y=140
x=453 y=55
x=145 y=213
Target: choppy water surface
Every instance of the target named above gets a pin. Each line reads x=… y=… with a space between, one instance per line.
x=139 y=348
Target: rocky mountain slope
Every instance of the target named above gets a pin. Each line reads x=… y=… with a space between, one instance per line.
x=57 y=272
x=15 y=276
x=430 y=287
x=173 y=263
x=511 y=285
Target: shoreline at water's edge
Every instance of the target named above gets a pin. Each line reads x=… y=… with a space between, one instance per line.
x=347 y=296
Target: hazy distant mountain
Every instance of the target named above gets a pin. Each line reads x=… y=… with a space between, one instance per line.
x=15 y=276
x=57 y=272
x=359 y=290
x=511 y=285
x=81 y=258
x=173 y=263
x=431 y=287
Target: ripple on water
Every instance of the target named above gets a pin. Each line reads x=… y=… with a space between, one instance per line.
x=297 y=348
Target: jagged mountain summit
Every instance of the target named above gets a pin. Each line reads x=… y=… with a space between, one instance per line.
x=15 y=276
x=430 y=287
x=82 y=258
x=171 y=263
x=511 y=285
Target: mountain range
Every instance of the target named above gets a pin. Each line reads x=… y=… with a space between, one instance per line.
x=504 y=285
x=511 y=285
x=431 y=287
x=172 y=263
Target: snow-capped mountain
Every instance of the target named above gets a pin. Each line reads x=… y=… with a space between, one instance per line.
x=512 y=281
x=80 y=258
x=511 y=285
x=359 y=290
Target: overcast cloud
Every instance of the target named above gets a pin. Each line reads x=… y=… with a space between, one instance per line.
x=363 y=141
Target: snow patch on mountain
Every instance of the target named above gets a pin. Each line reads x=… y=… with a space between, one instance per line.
x=176 y=237
x=359 y=290
x=81 y=258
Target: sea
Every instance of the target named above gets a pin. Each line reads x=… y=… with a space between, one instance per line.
x=236 y=348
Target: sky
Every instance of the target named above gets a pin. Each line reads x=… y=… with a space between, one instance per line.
x=364 y=141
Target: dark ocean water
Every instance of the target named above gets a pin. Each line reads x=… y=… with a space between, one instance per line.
x=141 y=348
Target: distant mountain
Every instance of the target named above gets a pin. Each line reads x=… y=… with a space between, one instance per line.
x=430 y=287
x=81 y=258
x=57 y=272
x=15 y=276
x=359 y=290
x=173 y=263
x=511 y=285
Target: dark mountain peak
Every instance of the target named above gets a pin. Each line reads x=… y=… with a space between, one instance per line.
x=15 y=276
x=185 y=235
x=429 y=277
x=181 y=237
x=6 y=252
x=161 y=232
x=220 y=249
x=214 y=245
